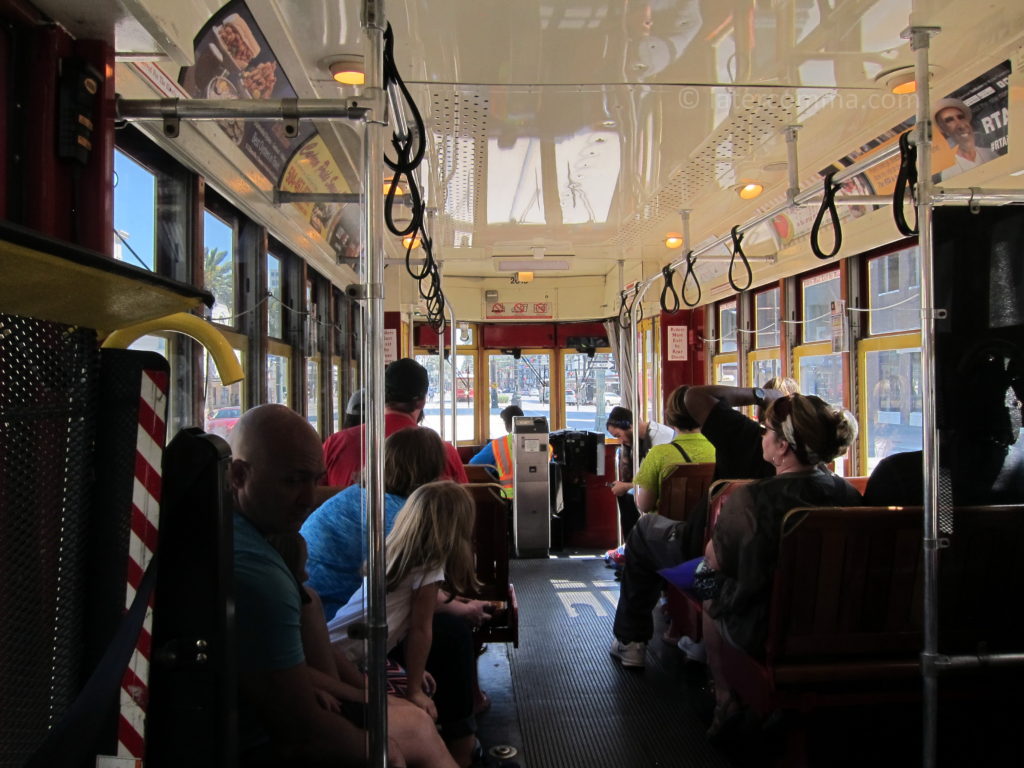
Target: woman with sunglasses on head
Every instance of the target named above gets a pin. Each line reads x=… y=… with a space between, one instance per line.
x=801 y=434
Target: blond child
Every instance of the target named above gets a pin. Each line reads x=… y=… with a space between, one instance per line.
x=429 y=545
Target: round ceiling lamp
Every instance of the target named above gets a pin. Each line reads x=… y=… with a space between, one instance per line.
x=347 y=69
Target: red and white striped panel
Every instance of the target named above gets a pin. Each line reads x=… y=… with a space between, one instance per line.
x=152 y=431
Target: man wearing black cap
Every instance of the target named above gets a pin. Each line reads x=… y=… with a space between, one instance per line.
x=405 y=393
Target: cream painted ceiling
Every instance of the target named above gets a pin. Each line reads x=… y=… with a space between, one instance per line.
x=573 y=133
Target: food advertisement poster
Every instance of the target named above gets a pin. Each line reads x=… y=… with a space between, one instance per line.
x=234 y=61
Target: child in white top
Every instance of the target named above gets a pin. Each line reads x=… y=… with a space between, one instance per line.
x=430 y=544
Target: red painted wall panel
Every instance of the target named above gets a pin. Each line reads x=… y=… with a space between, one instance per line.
x=95 y=217
x=48 y=188
x=522 y=336
x=692 y=370
x=425 y=336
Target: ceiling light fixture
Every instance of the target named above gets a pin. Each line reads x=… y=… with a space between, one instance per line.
x=901 y=81
x=398 y=187
x=347 y=69
x=411 y=242
x=673 y=240
x=749 y=190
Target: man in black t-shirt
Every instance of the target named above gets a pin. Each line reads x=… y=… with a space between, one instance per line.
x=737 y=439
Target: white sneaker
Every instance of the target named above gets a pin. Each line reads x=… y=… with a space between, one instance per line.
x=630 y=654
x=693 y=650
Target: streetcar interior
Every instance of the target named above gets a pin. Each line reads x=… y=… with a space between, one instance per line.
x=614 y=199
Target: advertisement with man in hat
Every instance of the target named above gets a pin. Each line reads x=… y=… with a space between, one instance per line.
x=969 y=125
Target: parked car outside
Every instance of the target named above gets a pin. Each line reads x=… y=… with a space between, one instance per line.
x=464 y=393
x=222 y=420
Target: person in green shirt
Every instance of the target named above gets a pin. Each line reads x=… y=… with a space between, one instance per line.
x=688 y=446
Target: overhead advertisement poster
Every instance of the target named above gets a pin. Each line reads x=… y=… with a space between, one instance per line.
x=969 y=128
x=234 y=61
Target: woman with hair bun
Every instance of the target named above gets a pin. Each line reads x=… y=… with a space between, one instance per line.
x=801 y=434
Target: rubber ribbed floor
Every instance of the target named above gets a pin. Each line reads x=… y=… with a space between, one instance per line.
x=577 y=705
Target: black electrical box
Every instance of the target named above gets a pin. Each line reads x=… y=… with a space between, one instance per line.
x=577 y=450
x=80 y=91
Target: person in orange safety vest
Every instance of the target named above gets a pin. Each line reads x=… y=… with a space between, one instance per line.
x=498 y=453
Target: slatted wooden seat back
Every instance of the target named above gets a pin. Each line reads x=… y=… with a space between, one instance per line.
x=845 y=610
x=682 y=488
x=491 y=547
x=848 y=584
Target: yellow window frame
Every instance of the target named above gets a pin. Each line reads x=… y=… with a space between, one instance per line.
x=865 y=346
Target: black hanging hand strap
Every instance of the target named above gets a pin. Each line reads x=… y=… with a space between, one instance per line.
x=737 y=250
x=690 y=261
x=668 y=289
x=827 y=204
x=905 y=179
x=74 y=739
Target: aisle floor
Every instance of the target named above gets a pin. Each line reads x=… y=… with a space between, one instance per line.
x=561 y=700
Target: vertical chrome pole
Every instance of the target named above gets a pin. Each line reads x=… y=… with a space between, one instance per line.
x=373 y=362
x=919 y=42
x=634 y=321
x=455 y=378
x=792 y=162
x=441 y=375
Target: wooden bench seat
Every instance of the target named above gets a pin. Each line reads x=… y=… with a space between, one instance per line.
x=491 y=546
x=845 y=620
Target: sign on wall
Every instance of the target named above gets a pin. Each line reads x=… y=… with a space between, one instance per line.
x=520 y=310
x=678 y=349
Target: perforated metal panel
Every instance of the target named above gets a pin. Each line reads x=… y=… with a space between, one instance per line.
x=48 y=375
x=460 y=122
x=740 y=136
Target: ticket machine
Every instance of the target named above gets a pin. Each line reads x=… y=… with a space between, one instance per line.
x=531 y=519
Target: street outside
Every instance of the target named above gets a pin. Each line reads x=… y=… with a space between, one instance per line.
x=578 y=417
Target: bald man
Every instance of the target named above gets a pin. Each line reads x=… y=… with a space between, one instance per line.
x=277 y=464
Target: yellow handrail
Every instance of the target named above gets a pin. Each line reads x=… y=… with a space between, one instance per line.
x=219 y=348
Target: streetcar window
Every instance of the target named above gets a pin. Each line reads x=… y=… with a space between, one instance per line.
x=313 y=392
x=727 y=326
x=219 y=266
x=134 y=213
x=462 y=380
x=894 y=292
x=275 y=306
x=819 y=291
x=277 y=378
x=891 y=415
x=224 y=404
x=766 y=319
x=524 y=382
x=591 y=390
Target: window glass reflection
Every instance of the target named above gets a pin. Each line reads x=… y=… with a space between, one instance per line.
x=894 y=292
x=894 y=403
